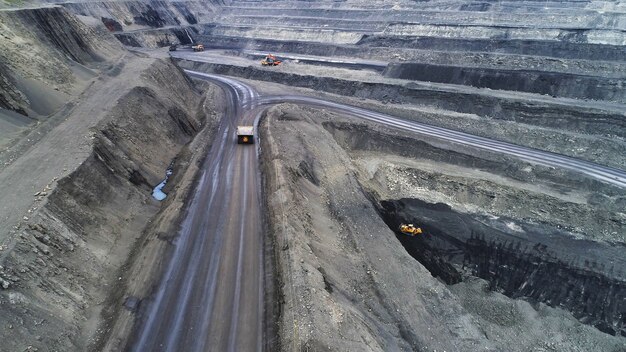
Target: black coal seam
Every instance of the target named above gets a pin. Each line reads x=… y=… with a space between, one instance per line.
x=517 y=271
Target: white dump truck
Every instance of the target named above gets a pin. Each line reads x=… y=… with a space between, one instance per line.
x=245 y=134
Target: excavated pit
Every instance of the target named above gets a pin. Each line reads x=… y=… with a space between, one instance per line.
x=520 y=261
x=358 y=138
x=524 y=243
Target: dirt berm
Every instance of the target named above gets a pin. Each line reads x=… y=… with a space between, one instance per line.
x=347 y=283
x=62 y=269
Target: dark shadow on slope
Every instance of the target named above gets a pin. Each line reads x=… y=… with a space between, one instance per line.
x=530 y=261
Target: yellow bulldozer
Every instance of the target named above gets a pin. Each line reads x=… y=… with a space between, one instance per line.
x=409 y=229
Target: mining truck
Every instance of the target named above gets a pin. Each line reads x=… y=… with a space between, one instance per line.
x=409 y=229
x=197 y=47
x=245 y=134
x=270 y=60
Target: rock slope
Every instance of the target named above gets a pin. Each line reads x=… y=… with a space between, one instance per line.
x=81 y=202
x=347 y=283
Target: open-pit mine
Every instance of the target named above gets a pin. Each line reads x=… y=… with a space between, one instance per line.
x=322 y=175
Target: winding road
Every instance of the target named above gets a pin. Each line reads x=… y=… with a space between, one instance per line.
x=211 y=297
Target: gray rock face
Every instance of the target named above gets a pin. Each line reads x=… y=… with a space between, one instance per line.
x=498 y=270
x=135 y=15
x=11 y=98
x=527 y=261
x=547 y=83
x=39 y=49
x=65 y=32
x=72 y=242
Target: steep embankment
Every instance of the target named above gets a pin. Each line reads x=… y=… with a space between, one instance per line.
x=563 y=49
x=121 y=16
x=45 y=53
x=110 y=124
x=523 y=80
x=63 y=263
x=47 y=57
x=150 y=23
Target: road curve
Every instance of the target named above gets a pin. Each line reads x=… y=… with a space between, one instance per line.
x=211 y=295
x=606 y=174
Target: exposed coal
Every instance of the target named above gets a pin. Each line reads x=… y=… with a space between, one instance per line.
x=64 y=32
x=350 y=273
x=128 y=40
x=185 y=12
x=150 y=17
x=560 y=116
x=479 y=6
x=529 y=261
x=554 y=84
x=111 y=24
x=560 y=49
x=182 y=36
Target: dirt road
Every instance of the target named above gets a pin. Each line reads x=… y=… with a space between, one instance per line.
x=211 y=297
x=610 y=175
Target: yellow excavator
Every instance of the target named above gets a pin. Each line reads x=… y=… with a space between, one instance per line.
x=409 y=229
